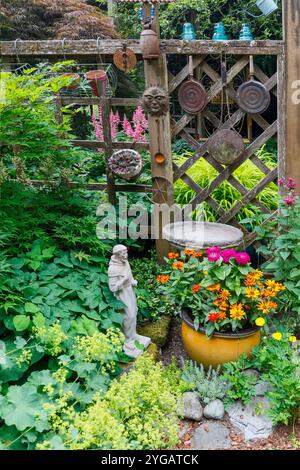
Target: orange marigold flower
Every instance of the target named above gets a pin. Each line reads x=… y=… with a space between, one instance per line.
x=252 y=293
x=197 y=254
x=268 y=293
x=214 y=287
x=237 y=311
x=253 y=278
x=173 y=255
x=266 y=305
x=189 y=252
x=274 y=286
x=222 y=315
x=195 y=288
x=163 y=278
x=178 y=265
x=224 y=294
x=221 y=304
x=213 y=316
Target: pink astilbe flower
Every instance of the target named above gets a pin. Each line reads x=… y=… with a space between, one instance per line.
x=281 y=182
x=97 y=127
x=227 y=255
x=290 y=200
x=213 y=253
x=113 y=125
x=242 y=258
x=140 y=118
x=127 y=127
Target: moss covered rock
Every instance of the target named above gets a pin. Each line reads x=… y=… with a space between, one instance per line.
x=158 y=331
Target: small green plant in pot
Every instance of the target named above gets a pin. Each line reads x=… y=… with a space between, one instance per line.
x=221 y=297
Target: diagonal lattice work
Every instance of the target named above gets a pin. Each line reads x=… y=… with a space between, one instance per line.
x=216 y=86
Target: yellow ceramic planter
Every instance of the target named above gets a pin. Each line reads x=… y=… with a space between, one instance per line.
x=220 y=347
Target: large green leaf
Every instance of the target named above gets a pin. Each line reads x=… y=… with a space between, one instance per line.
x=21 y=322
x=20 y=406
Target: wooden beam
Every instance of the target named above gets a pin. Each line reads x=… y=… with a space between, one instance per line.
x=111 y=190
x=95 y=144
x=132 y=188
x=156 y=74
x=291 y=9
x=88 y=47
x=94 y=101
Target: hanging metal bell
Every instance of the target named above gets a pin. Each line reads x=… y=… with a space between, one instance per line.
x=149 y=44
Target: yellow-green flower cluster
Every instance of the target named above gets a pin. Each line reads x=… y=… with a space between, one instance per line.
x=101 y=347
x=138 y=411
x=51 y=337
x=24 y=358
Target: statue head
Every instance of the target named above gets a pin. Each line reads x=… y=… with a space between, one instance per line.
x=155 y=101
x=121 y=252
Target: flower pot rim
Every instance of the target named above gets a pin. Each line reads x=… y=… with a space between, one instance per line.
x=186 y=317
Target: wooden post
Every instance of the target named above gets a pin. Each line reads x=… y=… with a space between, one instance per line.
x=111 y=189
x=291 y=20
x=156 y=73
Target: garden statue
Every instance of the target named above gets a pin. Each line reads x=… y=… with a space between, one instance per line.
x=121 y=284
x=155 y=101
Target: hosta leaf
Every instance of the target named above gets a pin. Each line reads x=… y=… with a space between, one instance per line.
x=31 y=308
x=21 y=322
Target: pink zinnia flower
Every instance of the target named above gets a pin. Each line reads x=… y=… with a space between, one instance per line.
x=213 y=253
x=289 y=200
x=291 y=183
x=242 y=258
x=227 y=254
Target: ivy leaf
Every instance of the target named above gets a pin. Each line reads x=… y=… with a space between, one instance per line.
x=21 y=406
x=21 y=322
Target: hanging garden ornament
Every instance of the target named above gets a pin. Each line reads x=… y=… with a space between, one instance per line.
x=126 y=164
x=125 y=59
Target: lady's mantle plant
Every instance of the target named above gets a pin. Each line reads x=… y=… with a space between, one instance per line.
x=220 y=288
x=281 y=245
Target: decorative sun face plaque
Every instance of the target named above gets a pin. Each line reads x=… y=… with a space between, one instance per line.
x=155 y=101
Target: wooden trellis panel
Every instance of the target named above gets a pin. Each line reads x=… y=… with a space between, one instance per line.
x=225 y=173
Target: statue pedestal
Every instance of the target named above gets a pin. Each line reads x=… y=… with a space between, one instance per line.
x=130 y=347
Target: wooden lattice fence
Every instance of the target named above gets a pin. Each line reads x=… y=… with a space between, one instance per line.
x=164 y=129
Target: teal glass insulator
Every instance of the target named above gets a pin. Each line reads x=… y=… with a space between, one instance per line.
x=219 y=33
x=246 y=33
x=188 y=33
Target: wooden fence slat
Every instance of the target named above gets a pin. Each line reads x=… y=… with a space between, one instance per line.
x=95 y=144
x=184 y=73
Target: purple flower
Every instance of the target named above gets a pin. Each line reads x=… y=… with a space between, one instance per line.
x=291 y=183
x=242 y=258
x=227 y=254
x=213 y=253
x=289 y=200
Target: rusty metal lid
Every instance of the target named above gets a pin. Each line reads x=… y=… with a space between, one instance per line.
x=226 y=146
x=125 y=59
x=253 y=97
x=192 y=96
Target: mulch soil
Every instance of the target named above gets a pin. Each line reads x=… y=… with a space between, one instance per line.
x=283 y=438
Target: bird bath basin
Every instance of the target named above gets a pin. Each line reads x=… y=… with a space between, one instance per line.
x=199 y=235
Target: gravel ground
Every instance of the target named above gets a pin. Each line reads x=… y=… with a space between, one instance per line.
x=281 y=439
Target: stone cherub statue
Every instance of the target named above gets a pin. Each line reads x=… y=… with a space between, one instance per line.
x=121 y=284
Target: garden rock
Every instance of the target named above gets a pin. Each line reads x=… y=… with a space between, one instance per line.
x=189 y=406
x=261 y=388
x=252 y=373
x=214 y=410
x=183 y=430
x=211 y=435
x=252 y=419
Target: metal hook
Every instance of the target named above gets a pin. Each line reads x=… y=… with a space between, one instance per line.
x=63 y=41
x=98 y=48
x=16 y=49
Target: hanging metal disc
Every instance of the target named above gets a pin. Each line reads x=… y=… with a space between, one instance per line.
x=253 y=97
x=125 y=59
x=226 y=146
x=192 y=96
